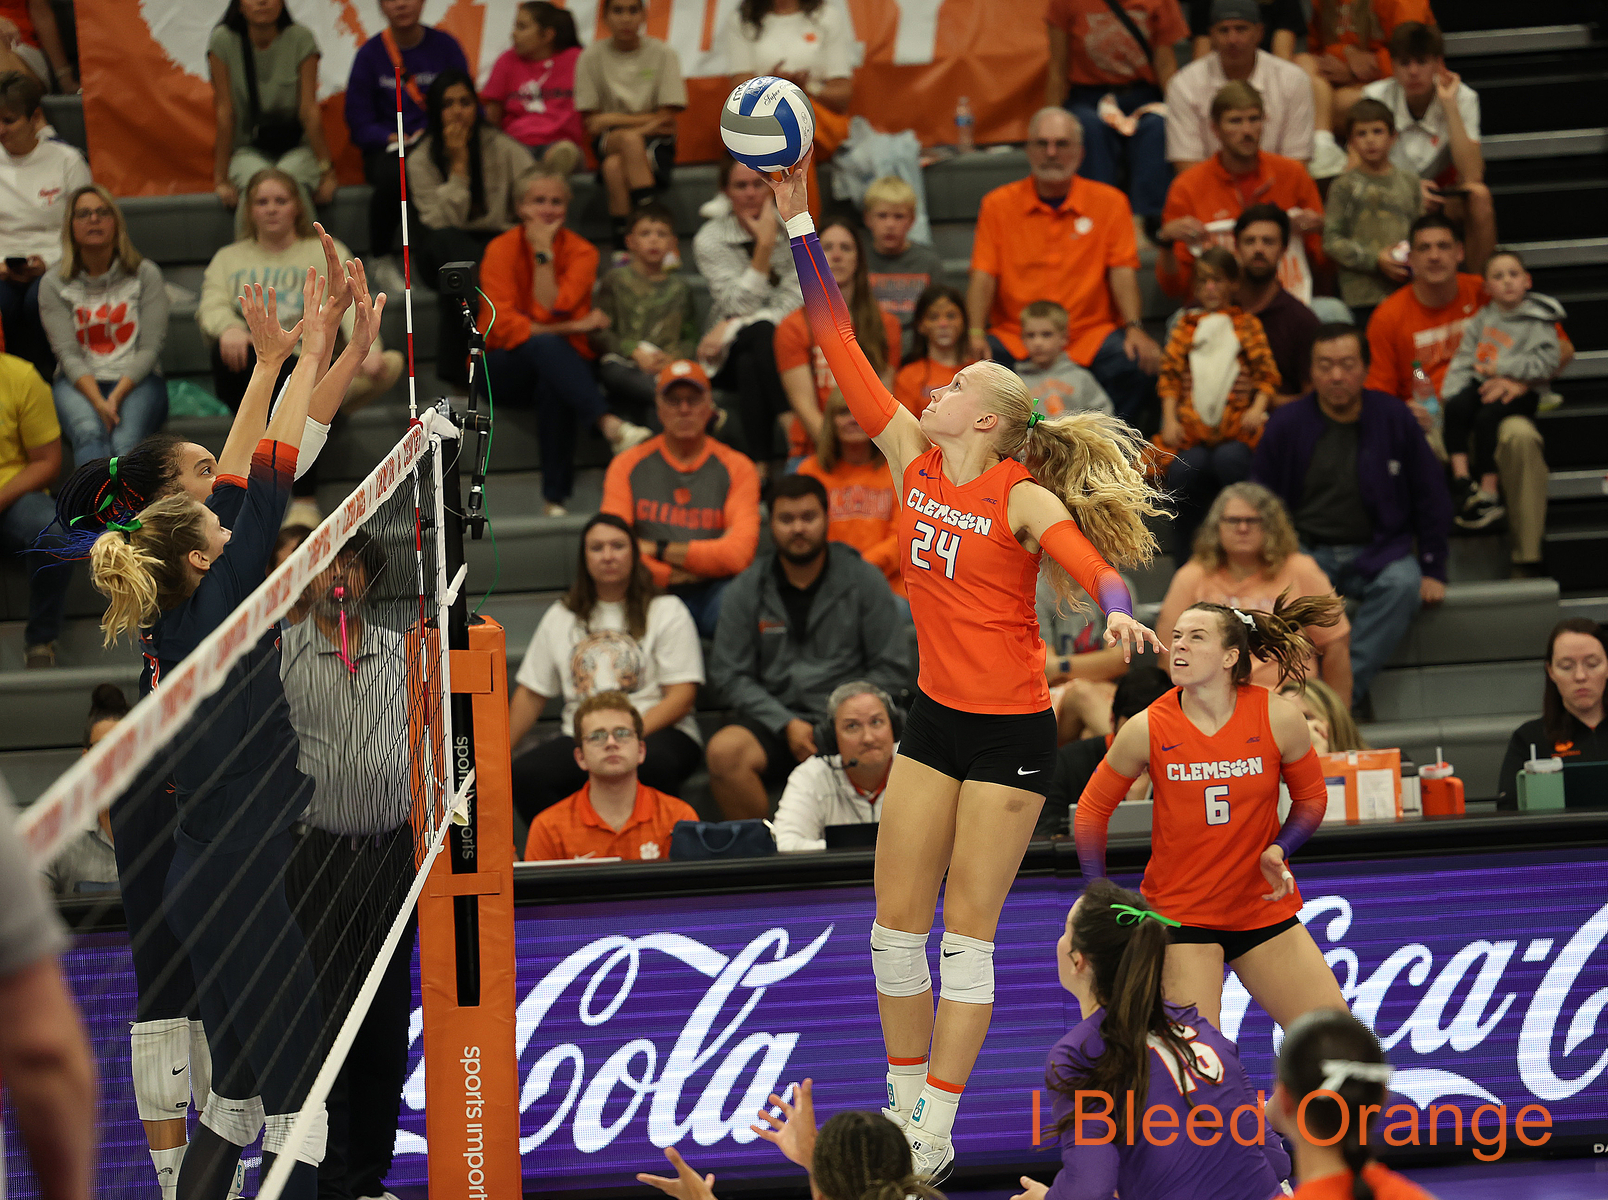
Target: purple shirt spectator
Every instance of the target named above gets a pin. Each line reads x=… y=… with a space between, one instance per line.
x=371 y=87
x=1182 y=1170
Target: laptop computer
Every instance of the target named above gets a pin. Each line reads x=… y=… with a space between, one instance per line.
x=1585 y=785
x=851 y=837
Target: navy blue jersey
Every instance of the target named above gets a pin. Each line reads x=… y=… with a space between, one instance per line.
x=235 y=772
x=1180 y=1169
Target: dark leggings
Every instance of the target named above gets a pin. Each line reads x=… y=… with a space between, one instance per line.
x=549 y=374
x=346 y=892
x=253 y=979
x=435 y=248
x=385 y=201
x=143 y=820
x=750 y=371
x=546 y=773
x=1471 y=426
x=230 y=386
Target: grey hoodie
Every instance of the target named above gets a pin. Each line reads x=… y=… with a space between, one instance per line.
x=1522 y=344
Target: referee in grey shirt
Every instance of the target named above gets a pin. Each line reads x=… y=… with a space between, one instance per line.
x=44 y=1057
x=345 y=671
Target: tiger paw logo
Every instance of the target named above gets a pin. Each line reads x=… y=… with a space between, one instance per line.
x=650 y=851
x=682 y=496
x=102 y=330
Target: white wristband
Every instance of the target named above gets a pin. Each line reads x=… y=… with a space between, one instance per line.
x=800 y=225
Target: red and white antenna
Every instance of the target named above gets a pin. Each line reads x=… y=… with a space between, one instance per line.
x=407 y=264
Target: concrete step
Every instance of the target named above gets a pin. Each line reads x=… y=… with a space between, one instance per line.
x=1474 y=745
x=80 y=645
x=1487 y=621
x=1552 y=144
x=1466 y=690
x=1532 y=40
x=1578 y=558
x=29 y=772
x=47 y=708
x=1575 y=435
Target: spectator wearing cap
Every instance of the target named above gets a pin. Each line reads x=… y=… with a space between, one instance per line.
x=1236 y=33
x=1437 y=119
x=843 y=784
x=693 y=501
x=1207 y=199
x=614 y=815
x=809 y=615
x=1058 y=236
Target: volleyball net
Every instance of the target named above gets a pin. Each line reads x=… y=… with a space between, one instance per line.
x=274 y=835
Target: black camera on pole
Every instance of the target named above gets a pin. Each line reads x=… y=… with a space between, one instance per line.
x=460 y=280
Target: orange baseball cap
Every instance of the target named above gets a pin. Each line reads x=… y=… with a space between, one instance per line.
x=684 y=371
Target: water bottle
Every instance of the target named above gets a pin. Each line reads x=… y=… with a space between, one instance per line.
x=1424 y=392
x=965 y=140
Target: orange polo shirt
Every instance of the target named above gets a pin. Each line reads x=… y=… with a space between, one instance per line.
x=1035 y=252
x=572 y=829
x=1209 y=193
x=507 y=272
x=1402 y=330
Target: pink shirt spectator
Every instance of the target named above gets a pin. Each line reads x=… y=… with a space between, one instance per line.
x=538 y=98
x=1286 y=106
x=1300 y=576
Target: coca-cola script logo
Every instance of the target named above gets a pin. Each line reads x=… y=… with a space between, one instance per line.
x=1464 y=1005
x=592 y=985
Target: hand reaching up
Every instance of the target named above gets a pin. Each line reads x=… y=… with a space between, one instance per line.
x=366 y=329
x=272 y=343
x=340 y=294
x=792 y=187
x=315 y=315
x=794 y=1136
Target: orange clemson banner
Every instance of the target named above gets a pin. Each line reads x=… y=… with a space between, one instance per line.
x=148 y=96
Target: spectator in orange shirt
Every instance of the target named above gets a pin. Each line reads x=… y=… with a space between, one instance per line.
x=614 y=815
x=1423 y=323
x=937 y=350
x=1349 y=42
x=1095 y=53
x=536 y=312
x=1207 y=199
x=806 y=378
x=1057 y=236
x=693 y=501
x=862 y=505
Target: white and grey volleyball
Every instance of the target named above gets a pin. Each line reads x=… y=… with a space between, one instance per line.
x=767 y=123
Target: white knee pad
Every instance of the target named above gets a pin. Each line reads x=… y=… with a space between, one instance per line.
x=966 y=969
x=160 y=1063
x=899 y=961
x=277 y=1130
x=236 y=1121
x=200 y=1063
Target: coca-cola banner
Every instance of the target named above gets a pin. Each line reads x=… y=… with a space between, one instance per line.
x=644 y=1024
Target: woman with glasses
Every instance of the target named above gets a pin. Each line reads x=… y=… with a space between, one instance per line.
x=1247 y=556
x=612 y=632
x=105 y=311
x=1133 y=1042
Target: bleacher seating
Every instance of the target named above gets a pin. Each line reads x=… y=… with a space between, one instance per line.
x=1468 y=673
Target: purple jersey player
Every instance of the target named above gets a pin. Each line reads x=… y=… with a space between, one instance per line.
x=1192 y=1105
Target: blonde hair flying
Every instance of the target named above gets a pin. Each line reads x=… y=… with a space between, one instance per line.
x=1091 y=461
x=144 y=570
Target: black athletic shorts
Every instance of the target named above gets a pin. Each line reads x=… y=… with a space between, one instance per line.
x=1234 y=942
x=1015 y=749
x=661 y=157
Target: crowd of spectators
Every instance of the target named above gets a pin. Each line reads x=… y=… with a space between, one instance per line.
x=1314 y=206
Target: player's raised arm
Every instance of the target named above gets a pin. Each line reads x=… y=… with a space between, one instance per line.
x=1124 y=762
x=896 y=433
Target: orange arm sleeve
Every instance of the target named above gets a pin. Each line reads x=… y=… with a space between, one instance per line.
x=1099 y=800
x=1065 y=543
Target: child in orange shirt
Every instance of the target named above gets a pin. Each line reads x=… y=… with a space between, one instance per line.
x=937 y=350
x=1218 y=379
x=862 y=504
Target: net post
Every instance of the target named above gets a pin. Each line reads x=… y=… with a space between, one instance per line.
x=466 y=918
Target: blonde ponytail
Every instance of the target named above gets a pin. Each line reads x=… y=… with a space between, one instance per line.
x=1092 y=462
x=144 y=569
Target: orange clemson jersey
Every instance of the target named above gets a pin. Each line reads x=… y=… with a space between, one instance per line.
x=1216 y=810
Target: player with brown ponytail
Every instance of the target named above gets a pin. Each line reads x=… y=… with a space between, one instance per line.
x=1111 y=956
x=1331 y=1073
x=1216 y=747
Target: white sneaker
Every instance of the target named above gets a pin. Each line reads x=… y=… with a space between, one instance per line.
x=898 y=1118
x=934 y=1157
x=629 y=435
x=554 y=509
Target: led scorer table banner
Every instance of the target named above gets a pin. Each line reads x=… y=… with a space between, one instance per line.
x=647 y=1023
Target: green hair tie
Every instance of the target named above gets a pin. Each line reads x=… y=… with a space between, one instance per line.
x=1127 y=914
x=133 y=524
x=1034 y=417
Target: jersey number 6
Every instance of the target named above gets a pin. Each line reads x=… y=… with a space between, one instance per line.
x=948 y=546
x=1217 y=806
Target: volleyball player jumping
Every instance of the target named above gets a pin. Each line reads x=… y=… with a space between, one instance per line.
x=1216 y=747
x=987 y=485
x=169 y=1059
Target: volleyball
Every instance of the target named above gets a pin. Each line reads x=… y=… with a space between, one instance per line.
x=767 y=123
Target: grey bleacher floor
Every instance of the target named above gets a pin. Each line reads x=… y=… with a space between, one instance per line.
x=1468 y=673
